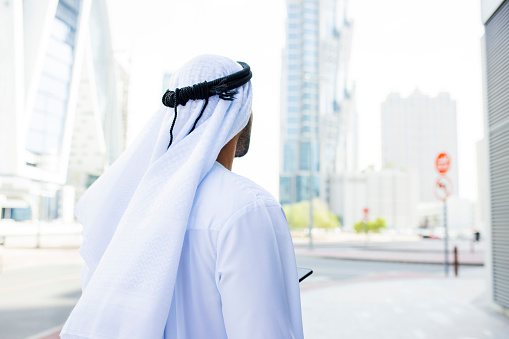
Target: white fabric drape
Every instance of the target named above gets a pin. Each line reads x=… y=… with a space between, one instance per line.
x=135 y=215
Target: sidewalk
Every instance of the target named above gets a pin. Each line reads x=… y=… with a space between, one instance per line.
x=411 y=306
x=406 y=306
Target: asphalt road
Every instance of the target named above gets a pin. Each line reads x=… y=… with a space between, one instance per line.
x=337 y=270
x=39 y=295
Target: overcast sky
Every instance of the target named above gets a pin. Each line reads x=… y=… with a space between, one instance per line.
x=398 y=46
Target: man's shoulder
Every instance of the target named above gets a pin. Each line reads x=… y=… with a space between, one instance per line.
x=222 y=193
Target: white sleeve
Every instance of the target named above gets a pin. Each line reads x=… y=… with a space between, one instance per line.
x=256 y=275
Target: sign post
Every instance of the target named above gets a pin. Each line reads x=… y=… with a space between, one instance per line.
x=443 y=189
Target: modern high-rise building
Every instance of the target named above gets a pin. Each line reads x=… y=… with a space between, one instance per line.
x=62 y=117
x=415 y=130
x=317 y=111
x=495 y=52
x=390 y=194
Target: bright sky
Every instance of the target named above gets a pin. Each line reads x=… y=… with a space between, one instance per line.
x=398 y=45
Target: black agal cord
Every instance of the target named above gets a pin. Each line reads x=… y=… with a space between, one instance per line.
x=224 y=87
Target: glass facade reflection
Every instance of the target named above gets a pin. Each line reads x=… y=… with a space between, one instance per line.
x=300 y=146
x=314 y=115
x=50 y=109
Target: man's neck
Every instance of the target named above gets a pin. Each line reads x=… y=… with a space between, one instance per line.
x=227 y=153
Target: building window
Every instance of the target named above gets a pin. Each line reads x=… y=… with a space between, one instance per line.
x=285 y=190
x=292 y=99
x=290 y=157
x=305 y=153
x=293 y=132
x=48 y=117
x=292 y=120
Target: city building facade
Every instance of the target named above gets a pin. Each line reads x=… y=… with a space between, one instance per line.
x=62 y=120
x=415 y=130
x=317 y=110
x=389 y=194
x=495 y=53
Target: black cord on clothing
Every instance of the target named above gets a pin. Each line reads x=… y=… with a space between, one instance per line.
x=201 y=113
x=174 y=118
x=223 y=87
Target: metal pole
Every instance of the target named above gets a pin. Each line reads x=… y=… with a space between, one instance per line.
x=456 y=263
x=311 y=145
x=446 y=238
x=310 y=193
x=311 y=212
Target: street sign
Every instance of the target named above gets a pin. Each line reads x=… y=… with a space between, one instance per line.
x=443 y=187
x=443 y=163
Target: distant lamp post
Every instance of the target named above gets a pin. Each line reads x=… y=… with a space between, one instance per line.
x=310 y=207
x=309 y=77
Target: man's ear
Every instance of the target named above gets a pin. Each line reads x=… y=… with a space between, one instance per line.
x=244 y=139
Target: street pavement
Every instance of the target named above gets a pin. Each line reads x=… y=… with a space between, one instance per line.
x=38 y=289
x=372 y=300
x=342 y=299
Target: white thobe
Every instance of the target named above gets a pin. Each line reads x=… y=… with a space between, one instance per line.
x=237 y=276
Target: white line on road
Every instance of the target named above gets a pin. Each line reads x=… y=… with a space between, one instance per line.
x=43 y=282
x=46 y=333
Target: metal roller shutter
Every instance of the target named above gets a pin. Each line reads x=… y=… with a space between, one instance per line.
x=497 y=77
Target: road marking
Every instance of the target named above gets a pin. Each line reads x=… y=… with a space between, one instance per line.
x=43 y=282
x=46 y=333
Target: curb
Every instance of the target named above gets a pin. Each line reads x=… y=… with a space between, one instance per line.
x=52 y=333
x=395 y=261
x=389 y=260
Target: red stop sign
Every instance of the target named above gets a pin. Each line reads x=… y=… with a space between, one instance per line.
x=443 y=163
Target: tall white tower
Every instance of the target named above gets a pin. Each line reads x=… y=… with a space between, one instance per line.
x=414 y=131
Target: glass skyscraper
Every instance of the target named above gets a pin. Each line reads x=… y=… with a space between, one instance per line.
x=313 y=92
x=47 y=120
x=62 y=118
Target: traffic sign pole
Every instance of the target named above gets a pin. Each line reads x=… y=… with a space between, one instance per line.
x=443 y=189
x=446 y=238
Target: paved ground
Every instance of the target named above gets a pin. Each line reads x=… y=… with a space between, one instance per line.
x=342 y=299
x=38 y=289
x=370 y=300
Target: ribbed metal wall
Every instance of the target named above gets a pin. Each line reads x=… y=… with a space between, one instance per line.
x=497 y=80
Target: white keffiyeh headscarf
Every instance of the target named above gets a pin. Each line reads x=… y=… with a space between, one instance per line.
x=135 y=215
